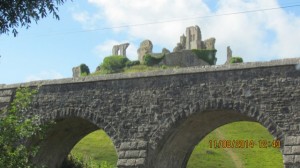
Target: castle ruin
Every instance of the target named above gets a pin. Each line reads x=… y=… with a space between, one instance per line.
x=182 y=54
x=193 y=38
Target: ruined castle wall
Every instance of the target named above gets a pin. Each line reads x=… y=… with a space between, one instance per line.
x=184 y=58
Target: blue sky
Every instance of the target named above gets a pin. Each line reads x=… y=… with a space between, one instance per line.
x=50 y=48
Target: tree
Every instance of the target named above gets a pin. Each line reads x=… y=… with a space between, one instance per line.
x=15 y=13
x=84 y=69
x=16 y=129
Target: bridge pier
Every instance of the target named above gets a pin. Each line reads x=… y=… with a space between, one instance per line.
x=132 y=154
x=291 y=151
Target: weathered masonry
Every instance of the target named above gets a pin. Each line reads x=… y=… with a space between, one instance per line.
x=156 y=118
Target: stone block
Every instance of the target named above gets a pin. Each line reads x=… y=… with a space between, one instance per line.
x=132 y=154
x=133 y=145
x=143 y=153
x=290 y=140
x=5 y=99
x=288 y=159
x=130 y=162
x=125 y=145
x=142 y=145
x=140 y=162
x=297 y=159
x=296 y=149
x=5 y=93
x=121 y=154
x=121 y=162
x=287 y=150
x=298 y=140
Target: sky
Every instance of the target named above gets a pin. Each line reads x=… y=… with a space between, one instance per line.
x=88 y=29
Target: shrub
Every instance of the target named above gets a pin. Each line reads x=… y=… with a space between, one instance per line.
x=150 y=60
x=114 y=63
x=84 y=70
x=235 y=60
x=84 y=74
x=132 y=63
x=73 y=162
x=208 y=56
x=15 y=130
x=79 y=162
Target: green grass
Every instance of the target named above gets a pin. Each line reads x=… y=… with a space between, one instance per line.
x=135 y=69
x=99 y=147
x=96 y=147
x=144 y=68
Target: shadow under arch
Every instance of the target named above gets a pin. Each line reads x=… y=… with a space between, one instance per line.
x=178 y=143
x=61 y=137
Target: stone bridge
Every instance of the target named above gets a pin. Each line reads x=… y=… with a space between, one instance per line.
x=155 y=119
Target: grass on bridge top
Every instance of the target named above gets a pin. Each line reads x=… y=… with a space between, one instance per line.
x=136 y=69
x=98 y=147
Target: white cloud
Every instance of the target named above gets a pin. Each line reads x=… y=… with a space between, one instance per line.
x=105 y=49
x=89 y=21
x=44 y=75
x=247 y=34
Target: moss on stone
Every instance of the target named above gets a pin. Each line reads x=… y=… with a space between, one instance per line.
x=208 y=56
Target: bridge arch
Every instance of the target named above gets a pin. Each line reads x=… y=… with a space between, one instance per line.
x=70 y=126
x=197 y=120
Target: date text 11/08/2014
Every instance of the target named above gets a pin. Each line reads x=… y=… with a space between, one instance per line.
x=244 y=143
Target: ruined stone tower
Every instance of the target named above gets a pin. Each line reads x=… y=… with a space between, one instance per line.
x=193 y=38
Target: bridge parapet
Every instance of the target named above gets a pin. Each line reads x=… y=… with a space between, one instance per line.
x=5 y=98
x=166 y=72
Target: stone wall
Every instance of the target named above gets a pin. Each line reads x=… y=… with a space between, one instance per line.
x=156 y=118
x=5 y=98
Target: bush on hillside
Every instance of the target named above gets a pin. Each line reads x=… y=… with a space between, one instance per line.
x=132 y=63
x=236 y=60
x=113 y=64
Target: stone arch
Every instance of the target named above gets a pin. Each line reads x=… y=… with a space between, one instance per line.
x=70 y=126
x=195 y=121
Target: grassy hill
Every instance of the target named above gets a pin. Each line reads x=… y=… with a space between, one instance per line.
x=98 y=147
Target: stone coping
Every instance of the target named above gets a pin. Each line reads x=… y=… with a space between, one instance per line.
x=166 y=72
